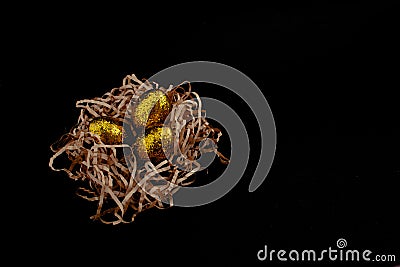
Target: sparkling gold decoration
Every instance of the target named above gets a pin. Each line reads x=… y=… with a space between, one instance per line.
x=153 y=109
x=152 y=143
x=110 y=133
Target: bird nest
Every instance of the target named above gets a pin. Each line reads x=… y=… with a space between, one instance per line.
x=132 y=148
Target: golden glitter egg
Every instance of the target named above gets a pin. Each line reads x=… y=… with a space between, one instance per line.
x=110 y=132
x=153 y=141
x=152 y=109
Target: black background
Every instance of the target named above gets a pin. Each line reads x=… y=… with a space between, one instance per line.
x=328 y=73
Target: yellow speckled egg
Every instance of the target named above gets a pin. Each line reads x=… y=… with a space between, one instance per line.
x=153 y=141
x=110 y=133
x=152 y=109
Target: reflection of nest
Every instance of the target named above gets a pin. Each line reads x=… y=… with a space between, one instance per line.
x=112 y=173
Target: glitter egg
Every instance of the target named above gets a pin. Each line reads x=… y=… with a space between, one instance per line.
x=152 y=109
x=110 y=133
x=153 y=142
